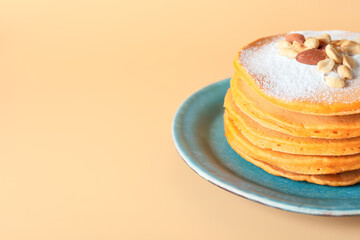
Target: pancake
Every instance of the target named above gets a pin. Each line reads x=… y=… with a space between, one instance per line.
x=289 y=122
x=277 y=141
x=293 y=118
x=302 y=164
x=339 y=179
x=295 y=86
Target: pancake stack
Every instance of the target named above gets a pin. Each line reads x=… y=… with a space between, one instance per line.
x=283 y=115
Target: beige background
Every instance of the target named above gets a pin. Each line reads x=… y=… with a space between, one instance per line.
x=88 y=93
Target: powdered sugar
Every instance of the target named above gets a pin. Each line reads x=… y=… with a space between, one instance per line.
x=288 y=79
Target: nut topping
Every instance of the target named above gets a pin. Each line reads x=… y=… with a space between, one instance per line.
x=328 y=55
x=300 y=47
x=333 y=53
x=288 y=52
x=312 y=43
x=324 y=39
x=350 y=47
x=284 y=44
x=311 y=56
x=334 y=82
x=348 y=61
x=337 y=43
x=326 y=65
x=344 y=72
x=295 y=37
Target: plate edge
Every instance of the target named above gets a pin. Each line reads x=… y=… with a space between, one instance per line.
x=242 y=193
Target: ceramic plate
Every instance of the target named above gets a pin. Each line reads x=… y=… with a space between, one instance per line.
x=198 y=133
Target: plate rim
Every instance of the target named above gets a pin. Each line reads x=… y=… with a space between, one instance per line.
x=212 y=178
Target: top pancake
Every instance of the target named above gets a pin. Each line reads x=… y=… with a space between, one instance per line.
x=293 y=85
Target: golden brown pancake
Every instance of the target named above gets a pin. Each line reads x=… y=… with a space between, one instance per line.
x=277 y=141
x=339 y=179
x=281 y=115
x=303 y=164
x=289 y=122
x=323 y=102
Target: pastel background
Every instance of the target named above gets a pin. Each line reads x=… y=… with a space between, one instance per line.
x=88 y=93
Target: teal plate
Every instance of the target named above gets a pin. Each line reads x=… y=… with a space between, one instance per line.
x=198 y=134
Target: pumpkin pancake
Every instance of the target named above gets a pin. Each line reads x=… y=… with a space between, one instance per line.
x=289 y=122
x=293 y=107
x=303 y=164
x=295 y=86
x=339 y=179
x=277 y=141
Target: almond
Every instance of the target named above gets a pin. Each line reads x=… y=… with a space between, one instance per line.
x=333 y=53
x=344 y=72
x=295 y=37
x=326 y=65
x=312 y=43
x=334 y=82
x=283 y=44
x=350 y=47
x=288 y=52
x=311 y=56
x=324 y=39
x=299 y=46
x=348 y=61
